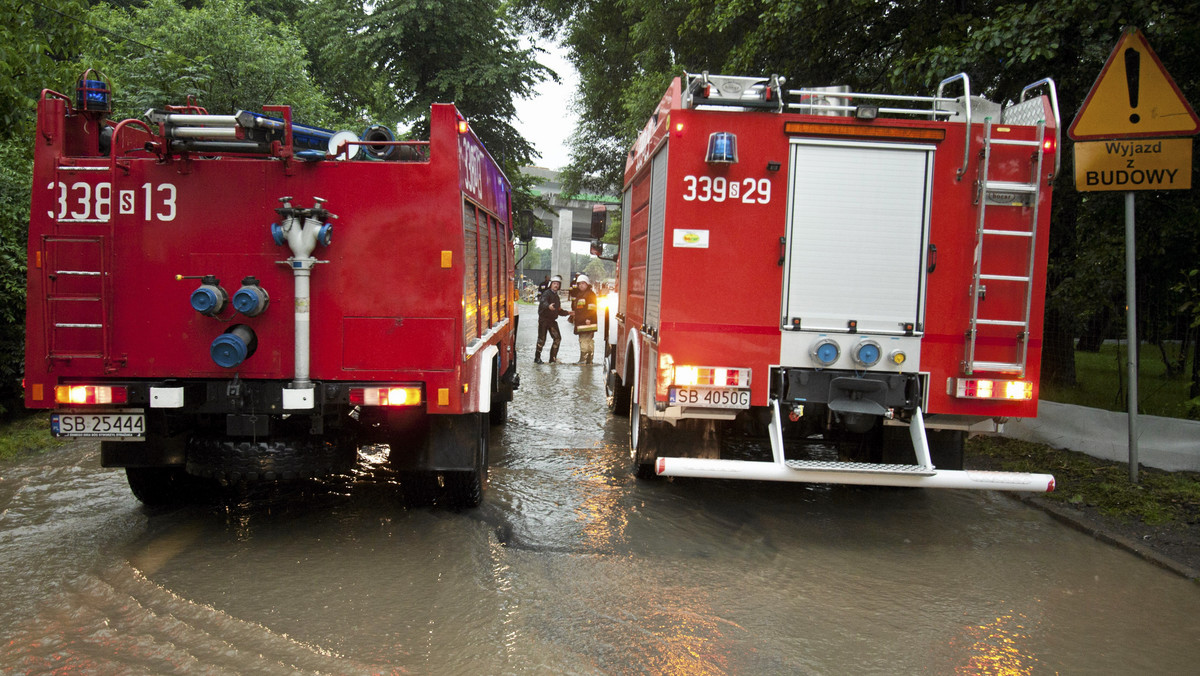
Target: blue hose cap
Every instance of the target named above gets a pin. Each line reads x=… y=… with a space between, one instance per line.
x=325 y=235
x=207 y=300
x=234 y=346
x=250 y=301
x=277 y=234
x=228 y=350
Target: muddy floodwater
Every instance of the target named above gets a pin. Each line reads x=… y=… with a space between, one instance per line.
x=571 y=566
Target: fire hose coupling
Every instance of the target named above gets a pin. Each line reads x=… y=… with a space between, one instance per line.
x=233 y=347
x=209 y=299
x=251 y=300
x=303 y=229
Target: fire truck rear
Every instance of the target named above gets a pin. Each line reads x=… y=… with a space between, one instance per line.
x=229 y=298
x=859 y=277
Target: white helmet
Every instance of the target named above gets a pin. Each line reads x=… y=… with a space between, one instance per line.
x=584 y=279
x=556 y=278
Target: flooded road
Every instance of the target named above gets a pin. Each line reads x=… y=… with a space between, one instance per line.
x=570 y=566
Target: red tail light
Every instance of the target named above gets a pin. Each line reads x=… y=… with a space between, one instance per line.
x=91 y=394
x=387 y=395
x=983 y=388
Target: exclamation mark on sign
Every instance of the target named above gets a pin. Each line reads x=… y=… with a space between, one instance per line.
x=1133 y=62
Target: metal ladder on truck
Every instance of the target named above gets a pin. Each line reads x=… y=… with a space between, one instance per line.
x=993 y=194
x=75 y=258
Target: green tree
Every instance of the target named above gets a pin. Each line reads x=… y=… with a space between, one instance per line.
x=39 y=48
x=15 y=171
x=153 y=58
x=390 y=60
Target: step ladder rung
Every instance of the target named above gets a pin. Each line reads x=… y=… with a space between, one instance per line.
x=1000 y=322
x=1005 y=278
x=1009 y=233
x=998 y=367
x=1014 y=142
x=1011 y=186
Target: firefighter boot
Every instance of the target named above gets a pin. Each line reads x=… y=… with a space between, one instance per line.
x=553 y=354
x=537 y=355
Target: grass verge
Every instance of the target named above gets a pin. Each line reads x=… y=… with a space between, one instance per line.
x=1158 y=499
x=1100 y=378
x=29 y=434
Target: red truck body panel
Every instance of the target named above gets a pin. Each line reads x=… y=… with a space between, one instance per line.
x=117 y=244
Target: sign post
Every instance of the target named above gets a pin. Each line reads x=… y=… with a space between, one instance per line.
x=1120 y=145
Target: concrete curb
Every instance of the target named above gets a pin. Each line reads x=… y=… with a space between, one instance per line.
x=1081 y=522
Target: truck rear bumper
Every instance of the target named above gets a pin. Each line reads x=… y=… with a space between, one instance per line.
x=913 y=476
x=923 y=474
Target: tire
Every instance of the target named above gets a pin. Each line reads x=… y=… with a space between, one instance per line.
x=862 y=447
x=163 y=486
x=896 y=446
x=418 y=488
x=275 y=460
x=616 y=395
x=642 y=449
x=946 y=448
x=499 y=413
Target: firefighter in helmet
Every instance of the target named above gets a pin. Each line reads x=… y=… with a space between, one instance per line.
x=583 y=316
x=549 y=310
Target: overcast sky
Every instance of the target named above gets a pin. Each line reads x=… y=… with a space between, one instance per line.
x=547 y=119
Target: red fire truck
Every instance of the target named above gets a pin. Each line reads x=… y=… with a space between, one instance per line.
x=859 y=277
x=191 y=306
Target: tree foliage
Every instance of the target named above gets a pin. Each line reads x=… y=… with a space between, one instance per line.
x=390 y=59
x=243 y=61
x=39 y=48
x=15 y=171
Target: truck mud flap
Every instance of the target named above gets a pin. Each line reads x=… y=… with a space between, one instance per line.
x=450 y=444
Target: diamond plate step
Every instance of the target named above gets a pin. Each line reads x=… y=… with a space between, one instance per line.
x=863 y=467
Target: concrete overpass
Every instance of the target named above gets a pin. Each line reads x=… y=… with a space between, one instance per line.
x=570 y=218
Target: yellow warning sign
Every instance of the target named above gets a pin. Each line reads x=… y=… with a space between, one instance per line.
x=1126 y=165
x=1133 y=97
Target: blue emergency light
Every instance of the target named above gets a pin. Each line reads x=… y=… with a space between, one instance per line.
x=92 y=95
x=722 y=148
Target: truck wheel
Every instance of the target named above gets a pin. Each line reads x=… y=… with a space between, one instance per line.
x=946 y=448
x=642 y=448
x=616 y=395
x=895 y=446
x=160 y=486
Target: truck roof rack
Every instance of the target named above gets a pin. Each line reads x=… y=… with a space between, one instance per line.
x=761 y=93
